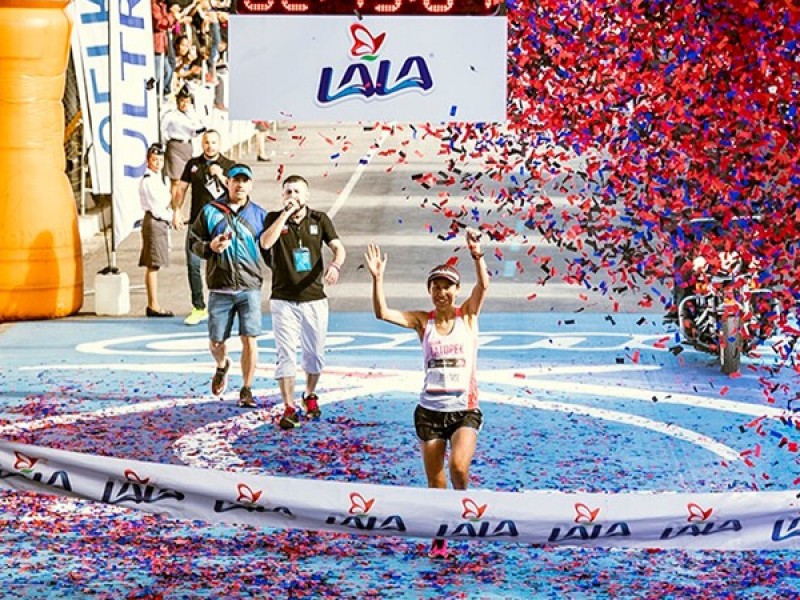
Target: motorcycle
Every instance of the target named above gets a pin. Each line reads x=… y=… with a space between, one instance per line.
x=727 y=313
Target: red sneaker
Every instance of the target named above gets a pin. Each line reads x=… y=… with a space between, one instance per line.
x=438 y=549
x=311 y=406
x=289 y=420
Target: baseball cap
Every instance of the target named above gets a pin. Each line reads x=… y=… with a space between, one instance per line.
x=240 y=169
x=444 y=272
x=155 y=149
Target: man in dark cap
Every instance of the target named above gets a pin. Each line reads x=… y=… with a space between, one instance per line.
x=226 y=234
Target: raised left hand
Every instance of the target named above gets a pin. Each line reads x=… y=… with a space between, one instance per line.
x=473 y=241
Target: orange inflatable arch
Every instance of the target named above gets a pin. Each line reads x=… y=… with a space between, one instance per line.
x=41 y=268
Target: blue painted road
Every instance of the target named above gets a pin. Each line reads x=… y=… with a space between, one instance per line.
x=572 y=402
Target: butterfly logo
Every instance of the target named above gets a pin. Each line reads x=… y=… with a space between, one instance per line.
x=132 y=476
x=471 y=510
x=698 y=514
x=24 y=463
x=365 y=46
x=359 y=505
x=584 y=514
x=247 y=494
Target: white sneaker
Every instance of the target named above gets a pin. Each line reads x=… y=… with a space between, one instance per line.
x=196 y=316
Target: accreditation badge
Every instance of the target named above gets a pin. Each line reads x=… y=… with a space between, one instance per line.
x=302 y=260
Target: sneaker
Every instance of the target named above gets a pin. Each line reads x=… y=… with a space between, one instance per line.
x=220 y=378
x=438 y=549
x=311 y=406
x=196 y=316
x=246 y=399
x=289 y=420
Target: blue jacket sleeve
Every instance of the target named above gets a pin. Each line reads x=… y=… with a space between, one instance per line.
x=199 y=236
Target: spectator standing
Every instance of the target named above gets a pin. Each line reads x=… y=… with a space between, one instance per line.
x=182 y=10
x=220 y=10
x=179 y=126
x=207 y=27
x=295 y=236
x=179 y=20
x=155 y=198
x=163 y=21
x=205 y=174
x=188 y=65
x=226 y=235
x=448 y=403
x=223 y=8
x=262 y=130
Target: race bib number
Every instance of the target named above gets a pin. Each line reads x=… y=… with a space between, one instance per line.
x=446 y=375
x=302 y=260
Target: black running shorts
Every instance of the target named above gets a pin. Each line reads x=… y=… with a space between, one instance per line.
x=438 y=425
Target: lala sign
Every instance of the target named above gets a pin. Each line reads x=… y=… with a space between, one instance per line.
x=368 y=78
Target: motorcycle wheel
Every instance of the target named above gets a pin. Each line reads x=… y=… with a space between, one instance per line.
x=730 y=344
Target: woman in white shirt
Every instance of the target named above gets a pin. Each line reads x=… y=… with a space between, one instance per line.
x=178 y=128
x=156 y=201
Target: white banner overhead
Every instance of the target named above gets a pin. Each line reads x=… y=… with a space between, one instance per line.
x=342 y=68
x=712 y=521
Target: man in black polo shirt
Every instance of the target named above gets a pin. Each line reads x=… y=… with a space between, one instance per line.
x=206 y=175
x=294 y=236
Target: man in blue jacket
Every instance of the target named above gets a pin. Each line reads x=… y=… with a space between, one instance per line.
x=226 y=235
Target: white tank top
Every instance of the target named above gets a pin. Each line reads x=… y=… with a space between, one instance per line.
x=450 y=382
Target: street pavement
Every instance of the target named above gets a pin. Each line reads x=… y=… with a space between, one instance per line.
x=577 y=402
x=357 y=177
